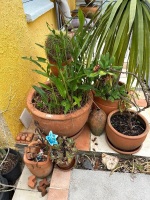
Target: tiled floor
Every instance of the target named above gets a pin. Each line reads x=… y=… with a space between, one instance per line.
x=59 y=184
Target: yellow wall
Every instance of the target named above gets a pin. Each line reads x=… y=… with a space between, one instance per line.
x=17 y=39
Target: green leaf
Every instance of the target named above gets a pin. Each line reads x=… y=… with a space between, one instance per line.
x=45 y=86
x=66 y=105
x=140 y=36
x=42 y=93
x=77 y=101
x=40 y=72
x=40 y=45
x=60 y=87
x=133 y=4
x=112 y=15
x=40 y=59
x=102 y=73
x=121 y=28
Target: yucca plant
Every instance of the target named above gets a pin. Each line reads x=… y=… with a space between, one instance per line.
x=124 y=25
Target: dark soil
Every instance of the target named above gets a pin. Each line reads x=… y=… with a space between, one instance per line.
x=127 y=163
x=128 y=123
x=55 y=108
x=9 y=163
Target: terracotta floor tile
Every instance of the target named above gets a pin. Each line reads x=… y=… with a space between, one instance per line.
x=57 y=194
x=60 y=179
x=83 y=141
x=141 y=102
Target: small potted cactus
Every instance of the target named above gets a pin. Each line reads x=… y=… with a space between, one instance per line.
x=63 y=150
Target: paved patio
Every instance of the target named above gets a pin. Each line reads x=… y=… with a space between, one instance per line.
x=80 y=184
x=61 y=183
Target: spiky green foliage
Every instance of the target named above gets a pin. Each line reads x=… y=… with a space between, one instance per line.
x=125 y=24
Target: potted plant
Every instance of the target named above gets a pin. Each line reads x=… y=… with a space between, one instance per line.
x=109 y=92
x=64 y=102
x=122 y=29
x=62 y=150
x=10 y=164
x=127 y=130
x=36 y=157
x=58 y=46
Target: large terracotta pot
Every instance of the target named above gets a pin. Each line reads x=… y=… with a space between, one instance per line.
x=63 y=124
x=106 y=105
x=123 y=143
x=39 y=169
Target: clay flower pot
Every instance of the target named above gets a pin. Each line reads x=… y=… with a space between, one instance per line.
x=63 y=124
x=106 y=105
x=54 y=68
x=123 y=143
x=67 y=166
x=39 y=169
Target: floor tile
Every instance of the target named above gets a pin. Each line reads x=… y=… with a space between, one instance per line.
x=57 y=194
x=83 y=141
x=60 y=179
x=24 y=192
x=99 y=144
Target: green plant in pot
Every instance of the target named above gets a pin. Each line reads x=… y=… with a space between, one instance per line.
x=10 y=159
x=63 y=103
x=63 y=150
x=127 y=130
x=58 y=46
x=122 y=29
x=109 y=92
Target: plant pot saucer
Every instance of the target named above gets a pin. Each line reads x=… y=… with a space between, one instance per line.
x=77 y=134
x=121 y=151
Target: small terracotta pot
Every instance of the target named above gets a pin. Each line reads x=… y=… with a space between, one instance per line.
x=123 y=143
x=63 y=124
x=39 y=169
x=54 y=68
x=65 y=166
x=106 y=105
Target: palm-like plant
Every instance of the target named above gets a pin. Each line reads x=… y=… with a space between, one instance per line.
x=125 y=24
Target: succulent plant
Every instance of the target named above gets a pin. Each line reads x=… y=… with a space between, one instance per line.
x=63 y=149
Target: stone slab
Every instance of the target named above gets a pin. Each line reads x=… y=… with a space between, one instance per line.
x=97 y=185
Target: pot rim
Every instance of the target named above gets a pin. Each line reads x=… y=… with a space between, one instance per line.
x=43 y=115
x=125 y=136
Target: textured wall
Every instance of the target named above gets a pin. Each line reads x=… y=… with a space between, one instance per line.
x=17 y=39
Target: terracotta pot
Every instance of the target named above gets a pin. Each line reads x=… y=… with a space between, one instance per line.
x=123 y=143
x=106 y=105
x=54 y=68
x=97 y=121
x=63 y=124
x=68 y=166
x=39 y=169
